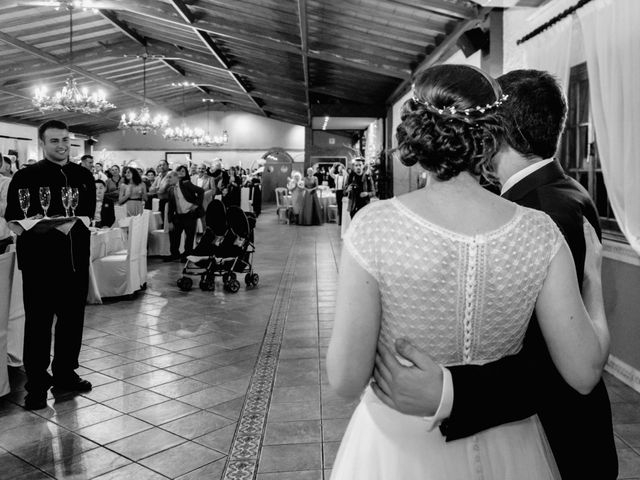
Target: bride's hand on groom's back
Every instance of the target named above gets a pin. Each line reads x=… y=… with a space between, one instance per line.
x=412 y=387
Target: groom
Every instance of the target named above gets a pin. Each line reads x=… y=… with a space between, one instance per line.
x=469 y=398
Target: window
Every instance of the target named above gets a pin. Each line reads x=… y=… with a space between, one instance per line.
x=579 y=150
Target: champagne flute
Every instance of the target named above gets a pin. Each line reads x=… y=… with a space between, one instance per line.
x=24 y=198
x=45 y=199
x=66 y=200
x=74 y=198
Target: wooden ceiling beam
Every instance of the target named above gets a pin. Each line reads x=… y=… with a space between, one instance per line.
x=441 y=49
x=403 y=74
x=445 y=8
x=136 y=37
x=204 y=37
x=302 y=20
x=15 y=42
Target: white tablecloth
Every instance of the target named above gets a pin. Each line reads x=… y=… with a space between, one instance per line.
x=7 y=261
x=346 y=218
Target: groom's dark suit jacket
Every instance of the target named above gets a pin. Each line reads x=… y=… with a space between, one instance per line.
x=578 y=426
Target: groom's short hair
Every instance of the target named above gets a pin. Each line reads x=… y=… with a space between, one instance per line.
x=534 y=115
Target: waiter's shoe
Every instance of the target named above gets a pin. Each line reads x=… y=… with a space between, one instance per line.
x=73 y=385
x=35 y=400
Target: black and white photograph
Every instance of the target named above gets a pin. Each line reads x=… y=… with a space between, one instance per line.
x=319 y=240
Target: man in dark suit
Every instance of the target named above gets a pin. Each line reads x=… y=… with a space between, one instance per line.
x=54 y=265
x=470 y=398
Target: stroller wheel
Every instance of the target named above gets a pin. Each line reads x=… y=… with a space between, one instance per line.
x=207 y=285
x=185 y=284
x=251 y=279
x=233 y=286
x=227 y=277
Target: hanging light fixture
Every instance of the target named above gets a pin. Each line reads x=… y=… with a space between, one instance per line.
x=204 y=139
x=142 y=122
x=71 y=98
x=183 y=133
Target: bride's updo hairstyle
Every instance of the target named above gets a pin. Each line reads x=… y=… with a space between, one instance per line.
x=450 y=124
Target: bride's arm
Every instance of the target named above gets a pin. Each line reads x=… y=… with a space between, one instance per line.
x=352 y=349
x=578 y=343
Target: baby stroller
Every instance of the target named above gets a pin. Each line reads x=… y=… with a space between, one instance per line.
x=226 y=248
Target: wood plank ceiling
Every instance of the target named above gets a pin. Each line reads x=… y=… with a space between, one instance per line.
x=282 y=59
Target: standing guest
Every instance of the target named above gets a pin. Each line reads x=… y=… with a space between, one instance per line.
x=311 y=212
x=193 y=169
x=98 y=172
x=229 y=185
x=55 y=268
x=255 y=182
x=160 y=185
x=113 y=184
x=133 y=192
x=202 y=178
x=5 y=179
x=87 y=162
x=340 y=181
x=295 y=185
x=360 y=187
x=148 y=179
x=105 y=215
x=185 y=207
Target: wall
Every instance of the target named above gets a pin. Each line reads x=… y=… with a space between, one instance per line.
x=327 y=144
x=250 y=136
x=27 y=148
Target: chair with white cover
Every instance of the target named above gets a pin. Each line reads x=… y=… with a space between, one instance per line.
x=7 y=264
x=120 y=212
x=158 y=243
x=283 y=209
x=15 y=341
x=123 y=274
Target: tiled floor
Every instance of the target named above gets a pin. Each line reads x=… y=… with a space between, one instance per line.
x=210 y=385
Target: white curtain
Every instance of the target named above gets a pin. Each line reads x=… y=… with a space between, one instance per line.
x=550 y=51
x=612 y=45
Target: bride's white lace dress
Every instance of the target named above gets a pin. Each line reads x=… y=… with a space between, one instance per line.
x=465 y=300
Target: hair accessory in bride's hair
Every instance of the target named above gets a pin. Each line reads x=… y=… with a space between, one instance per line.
x=452 y=110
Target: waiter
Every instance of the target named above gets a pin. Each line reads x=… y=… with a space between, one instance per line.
x=55 y=267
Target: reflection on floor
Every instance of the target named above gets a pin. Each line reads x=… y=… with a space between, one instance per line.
x=210 y=385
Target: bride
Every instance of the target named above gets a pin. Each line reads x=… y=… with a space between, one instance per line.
x=459 y=271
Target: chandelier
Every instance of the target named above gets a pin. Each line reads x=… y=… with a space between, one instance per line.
x=71 y=98
x=142 y=122
x=204 y=139
x=183 y=133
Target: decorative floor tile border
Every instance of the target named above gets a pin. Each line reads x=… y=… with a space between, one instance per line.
x=242 y=462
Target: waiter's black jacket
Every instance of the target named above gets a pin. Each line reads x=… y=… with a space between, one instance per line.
x=52 y=250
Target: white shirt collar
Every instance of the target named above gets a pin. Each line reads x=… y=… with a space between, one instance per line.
x=521 y=174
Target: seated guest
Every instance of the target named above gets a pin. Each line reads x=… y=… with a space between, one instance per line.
x=185 y=207
x=105 y=215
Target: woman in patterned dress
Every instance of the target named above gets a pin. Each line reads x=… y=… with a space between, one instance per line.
x=458 y=270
